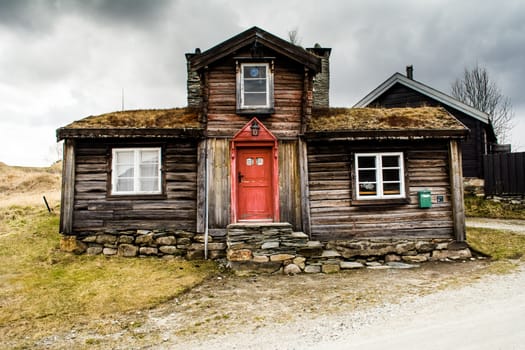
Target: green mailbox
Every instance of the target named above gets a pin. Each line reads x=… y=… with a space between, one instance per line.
x=425 y=199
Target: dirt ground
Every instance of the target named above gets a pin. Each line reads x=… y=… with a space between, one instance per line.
x=227 y=305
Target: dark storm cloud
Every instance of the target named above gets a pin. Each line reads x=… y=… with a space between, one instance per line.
x=33 y=15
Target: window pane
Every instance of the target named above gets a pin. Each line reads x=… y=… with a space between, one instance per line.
x=391 y=175
x=257 y=85
x=125 y=171
x=367 y=175
x=149 y=157
x=392 y=188
x=149 y=185
x=148 y=170
x=390 y=161
x=124 y=185
x=254 y=72
x=255 y=99
x=124 y=157
x=366 y=162
x=369 y=189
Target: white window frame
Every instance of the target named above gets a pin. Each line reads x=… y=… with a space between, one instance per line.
x=267 y=67
x=379 y=175
x=136 y=171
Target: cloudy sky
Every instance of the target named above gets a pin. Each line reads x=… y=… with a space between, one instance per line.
x=62 y=60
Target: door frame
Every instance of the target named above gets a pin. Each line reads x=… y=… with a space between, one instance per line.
x=244 y=139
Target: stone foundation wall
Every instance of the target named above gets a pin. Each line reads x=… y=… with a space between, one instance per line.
x=131 y=243
x=267 y=248
x=274 y=247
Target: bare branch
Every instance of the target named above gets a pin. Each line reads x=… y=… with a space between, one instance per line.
x=477 y=90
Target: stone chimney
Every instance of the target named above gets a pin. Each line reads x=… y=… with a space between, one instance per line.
x=193 y=83
x=410 y=72
x=321 y=98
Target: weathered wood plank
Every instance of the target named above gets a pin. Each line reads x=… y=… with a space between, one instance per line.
x=68 y=188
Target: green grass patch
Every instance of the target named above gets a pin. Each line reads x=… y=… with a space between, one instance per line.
x=43 y=290
x=480 y=207
x=496 y=243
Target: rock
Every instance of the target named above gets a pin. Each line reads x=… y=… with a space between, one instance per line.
x=270 y=245
x=330 y=268
x=216 y=246
x=441 y=246
x=167 y=240
x=89 y=239
x=350 y=265
x=300 y=261
x=392 y=258
x=400 y=265
x=109 y=251
x=148 y=251
x=451 y=254
x=106 y=239
x=416 y=258
x=127 y=250
x=143 y=232
x=170 y=249
x=378 y=267
x=201 y=238
x=312 y=248
x=194 y=254
x=425 y=247
x=312 y=269
x=126 y=239
x=299 y=235
x=183 y=241
x=330 y=254
x=373 y=264
x=70 y=244
x=239 y=255
x=96 y=250
x=260 y=258
x=281 y=257
x=144 y=239
x=291 y=269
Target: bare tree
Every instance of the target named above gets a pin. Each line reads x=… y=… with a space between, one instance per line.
x=476 y=89
x=293 y=37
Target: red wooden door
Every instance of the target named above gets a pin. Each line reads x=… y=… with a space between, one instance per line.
x=254 y=184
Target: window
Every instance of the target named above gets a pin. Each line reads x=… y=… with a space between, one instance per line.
x=255 y=87
x=379 y=175
x=136 y=171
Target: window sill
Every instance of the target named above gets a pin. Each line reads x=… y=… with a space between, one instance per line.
x=257 y=111
x=117 y=197
x=369 y=202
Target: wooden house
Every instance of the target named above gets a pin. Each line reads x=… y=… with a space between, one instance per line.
x=403 y=91
x=259 y=169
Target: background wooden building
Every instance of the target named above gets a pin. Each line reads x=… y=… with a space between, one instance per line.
x=400 y=91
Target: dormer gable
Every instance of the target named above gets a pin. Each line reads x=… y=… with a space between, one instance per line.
x=256 y=37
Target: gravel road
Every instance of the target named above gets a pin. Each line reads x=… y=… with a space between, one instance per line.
x=488 y=314
x=517 y=226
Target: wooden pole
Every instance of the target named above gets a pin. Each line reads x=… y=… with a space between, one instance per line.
x=456 y=184
x=68 y=188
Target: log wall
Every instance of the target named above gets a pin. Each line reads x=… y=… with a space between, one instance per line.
x=220 y=87
x=333 y=216
x=95 y=211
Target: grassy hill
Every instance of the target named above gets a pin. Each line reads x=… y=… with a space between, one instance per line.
x=26 y=185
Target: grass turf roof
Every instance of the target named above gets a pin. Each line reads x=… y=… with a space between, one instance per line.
x=174 y=118
x=365 y=119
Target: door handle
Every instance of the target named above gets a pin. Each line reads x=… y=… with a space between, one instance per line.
x=239 y=176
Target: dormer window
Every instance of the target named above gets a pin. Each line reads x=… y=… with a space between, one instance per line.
x=254 y=88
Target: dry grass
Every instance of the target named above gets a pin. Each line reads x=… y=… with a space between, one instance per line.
x=496 y=243
x=145 y=118
x=422 y=118
x=480 y=207
x=44 y=291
